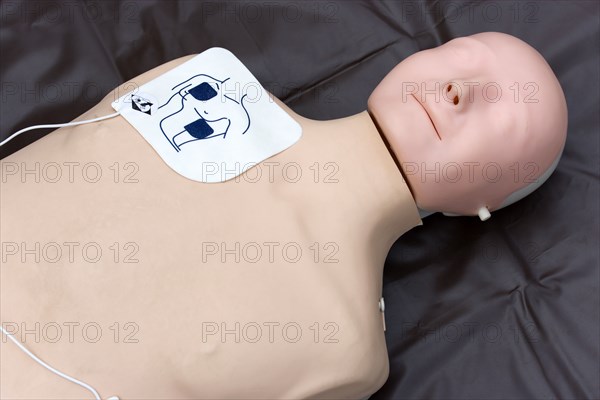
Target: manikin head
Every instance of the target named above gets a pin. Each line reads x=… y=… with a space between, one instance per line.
x=476 y=123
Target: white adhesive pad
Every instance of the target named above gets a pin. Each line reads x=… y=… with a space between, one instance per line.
x=209 y=118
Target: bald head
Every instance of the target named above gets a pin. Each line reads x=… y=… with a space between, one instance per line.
x=475 y=123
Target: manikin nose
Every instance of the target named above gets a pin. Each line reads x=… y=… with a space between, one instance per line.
x=451 y=93
x=454 y=95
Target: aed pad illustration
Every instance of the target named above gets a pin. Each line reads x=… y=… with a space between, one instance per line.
x=209 y=119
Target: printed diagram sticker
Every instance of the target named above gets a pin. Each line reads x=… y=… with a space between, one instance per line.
x=209 y=119
x=201 y=100
x=141 y=104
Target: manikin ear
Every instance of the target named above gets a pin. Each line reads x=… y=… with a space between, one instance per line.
x=484 y=213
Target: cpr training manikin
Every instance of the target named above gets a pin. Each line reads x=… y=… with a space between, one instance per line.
x=169 y=281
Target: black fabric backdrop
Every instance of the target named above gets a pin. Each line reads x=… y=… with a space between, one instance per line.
x=504 y=309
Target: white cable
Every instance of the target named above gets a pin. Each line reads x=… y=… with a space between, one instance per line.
x=9 y=335
x=30 y=128
x=57 y=372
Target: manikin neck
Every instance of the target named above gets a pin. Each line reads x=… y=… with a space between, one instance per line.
x=366 y=114
x=369 y=177
x=356 y=142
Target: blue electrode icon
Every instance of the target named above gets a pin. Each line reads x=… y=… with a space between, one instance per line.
x=203 y=111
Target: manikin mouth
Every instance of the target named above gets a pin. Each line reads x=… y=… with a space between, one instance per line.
x=428 y=116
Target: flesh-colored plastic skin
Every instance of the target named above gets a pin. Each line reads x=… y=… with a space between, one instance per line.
x=359 y=210
x=353 y=204
x=499 y=112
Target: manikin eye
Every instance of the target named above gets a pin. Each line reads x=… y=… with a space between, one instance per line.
x=203 y=92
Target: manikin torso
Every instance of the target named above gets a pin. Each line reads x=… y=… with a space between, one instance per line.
x=321 y=330
x=213 y=317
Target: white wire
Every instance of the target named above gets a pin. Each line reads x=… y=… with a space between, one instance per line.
x=30 y=128
x=57 y=372
x=9 y=335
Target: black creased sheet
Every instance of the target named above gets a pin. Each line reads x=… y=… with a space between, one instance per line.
x=504 y=309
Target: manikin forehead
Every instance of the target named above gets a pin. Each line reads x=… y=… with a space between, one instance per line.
x=461 y=58
x=481 y=58
x=468 y=52
x=501 y=57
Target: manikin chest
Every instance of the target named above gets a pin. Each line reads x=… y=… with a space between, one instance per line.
x=265 y=285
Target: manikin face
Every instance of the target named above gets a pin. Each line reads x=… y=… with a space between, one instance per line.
x=471 y=121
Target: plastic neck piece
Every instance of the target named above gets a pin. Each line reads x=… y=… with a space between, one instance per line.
x=425 y=213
